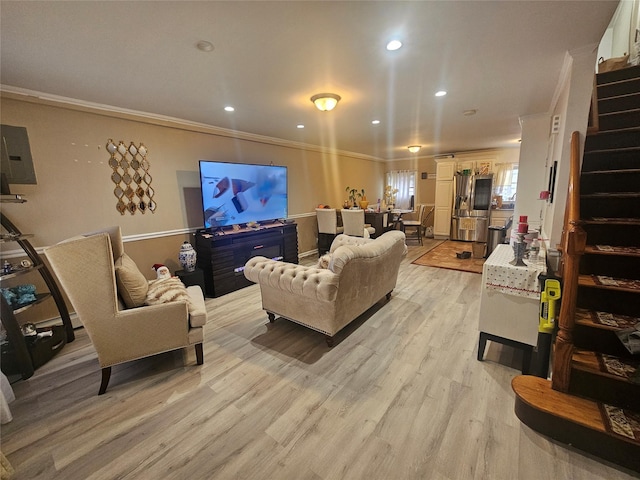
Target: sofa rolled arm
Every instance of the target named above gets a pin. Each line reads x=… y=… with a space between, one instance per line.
x=312 y=282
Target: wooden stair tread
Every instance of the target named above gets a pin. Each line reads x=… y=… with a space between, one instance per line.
x=611 y=195
x=604 y=172
x=612 y=250
x=588 y=361
x=537 y=393
x=582 y=423
x=611 y=221
x=618 y=112
x=614 y=130
x=592 y=281
x=609 y=150
x=603 y=320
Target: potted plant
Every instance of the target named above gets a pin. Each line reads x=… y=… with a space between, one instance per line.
x=364 y=203
x=353 y=193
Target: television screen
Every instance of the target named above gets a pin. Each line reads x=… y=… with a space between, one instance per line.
x=235 y=193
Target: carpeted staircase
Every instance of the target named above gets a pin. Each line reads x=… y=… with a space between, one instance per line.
x=594 y=404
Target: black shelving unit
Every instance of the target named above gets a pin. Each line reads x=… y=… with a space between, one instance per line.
x=27 y=361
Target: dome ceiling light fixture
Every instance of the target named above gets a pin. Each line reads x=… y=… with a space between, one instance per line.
x=204 y=46
x=414 y=148
x=325 y=102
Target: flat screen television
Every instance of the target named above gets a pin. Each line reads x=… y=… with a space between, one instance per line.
x=240 y=193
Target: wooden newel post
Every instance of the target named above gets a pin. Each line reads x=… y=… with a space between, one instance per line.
x=573 y=245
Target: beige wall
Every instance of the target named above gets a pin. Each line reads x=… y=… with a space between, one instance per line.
x=74 y=192
x=426 y=188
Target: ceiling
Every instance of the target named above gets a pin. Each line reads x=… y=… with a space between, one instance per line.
x=500 y=58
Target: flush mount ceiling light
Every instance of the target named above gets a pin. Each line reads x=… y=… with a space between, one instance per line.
x=414 y=148
x=204 y=46
x=394 y=45
x=325 y=101
x=441 y=93
x=468 y=113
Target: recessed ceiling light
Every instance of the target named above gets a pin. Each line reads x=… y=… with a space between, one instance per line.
x=204 y=46
x=441 y=93
x=229 y=108
x=299 y=126
x=375 y=122
x=468 y=113
x=394 y=45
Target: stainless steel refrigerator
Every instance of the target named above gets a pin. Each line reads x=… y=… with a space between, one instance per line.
x=471 y=207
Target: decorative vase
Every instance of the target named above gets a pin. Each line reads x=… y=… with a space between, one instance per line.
x=187 y=257
x=364 y=204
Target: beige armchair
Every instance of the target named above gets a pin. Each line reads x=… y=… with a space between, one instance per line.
x=87 y=272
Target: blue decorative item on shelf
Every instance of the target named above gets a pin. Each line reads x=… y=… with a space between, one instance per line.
x=20 y=295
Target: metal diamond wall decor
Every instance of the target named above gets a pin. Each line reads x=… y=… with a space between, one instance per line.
x=132 y=178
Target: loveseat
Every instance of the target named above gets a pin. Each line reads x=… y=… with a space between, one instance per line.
x=360 y=272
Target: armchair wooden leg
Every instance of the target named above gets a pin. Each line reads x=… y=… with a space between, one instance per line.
x=329 y=340
x=106 y=375
x=199 y=354
x=272 y=317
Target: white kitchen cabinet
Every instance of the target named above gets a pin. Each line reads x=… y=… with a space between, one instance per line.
x=444 y=198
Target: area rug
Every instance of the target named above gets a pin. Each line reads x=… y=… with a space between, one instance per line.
x=444 y=256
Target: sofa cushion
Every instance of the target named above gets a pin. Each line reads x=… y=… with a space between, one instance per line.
x=132 y=284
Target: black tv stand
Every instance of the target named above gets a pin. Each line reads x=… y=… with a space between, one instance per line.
x=222 y=254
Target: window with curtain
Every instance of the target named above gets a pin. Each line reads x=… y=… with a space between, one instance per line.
x=505 y=180
x=404 y=181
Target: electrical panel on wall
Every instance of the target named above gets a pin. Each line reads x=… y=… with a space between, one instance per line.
x=17 y=163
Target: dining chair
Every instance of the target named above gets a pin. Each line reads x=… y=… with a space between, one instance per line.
x=416 y=224
x=327 y=228
x=353 y=221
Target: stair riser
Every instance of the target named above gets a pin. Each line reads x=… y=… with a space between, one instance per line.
x=623 y=303
x=610 y=160
x=619 y=88
x=612 y=140
x=598 y=340
x=604 y=389
x=609 y=207
x=596 y=443
x=615 y=235
x=619 y=104
x=618 y=75
x=610 y=266
x=610 y=182
x=618 y=121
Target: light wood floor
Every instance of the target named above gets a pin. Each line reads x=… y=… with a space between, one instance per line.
x=400 y=396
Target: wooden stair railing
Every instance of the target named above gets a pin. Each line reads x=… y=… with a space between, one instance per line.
x=574 y=240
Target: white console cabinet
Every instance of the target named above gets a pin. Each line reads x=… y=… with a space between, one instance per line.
x=510 y=303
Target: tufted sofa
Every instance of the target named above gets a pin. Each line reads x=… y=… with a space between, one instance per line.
x=361 y=272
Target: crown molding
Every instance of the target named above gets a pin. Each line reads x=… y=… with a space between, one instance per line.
x=33 y=96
